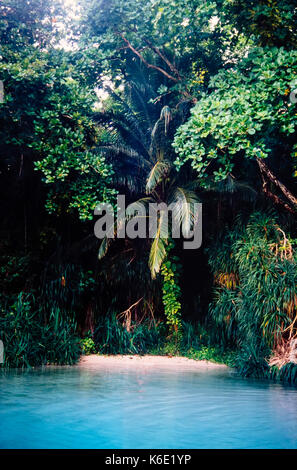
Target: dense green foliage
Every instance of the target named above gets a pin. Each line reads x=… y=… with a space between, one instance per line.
x=111 y=337
x=45 y=123
x=161 y=101
x=174 y=40
x=271 y=22
x=249 y=114
x=171 y=294
x=30 y=341
x=255 y=299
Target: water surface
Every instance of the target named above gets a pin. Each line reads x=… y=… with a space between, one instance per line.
x=71 y=407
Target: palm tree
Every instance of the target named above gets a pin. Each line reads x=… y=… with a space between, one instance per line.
x=161 y=183
x=142 y=155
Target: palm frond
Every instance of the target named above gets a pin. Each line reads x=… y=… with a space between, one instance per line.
x=113 y=151
x=159 y=171
x=104 y=247
x=167 y=116
x=126 y=128
x=162 y=124
x=184 y=208
x=137 y=206
x=232 y=186
x=158 y=248
x=109 y=238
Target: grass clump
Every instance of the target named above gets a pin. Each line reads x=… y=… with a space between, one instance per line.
x=30 y=339
x=111 y=337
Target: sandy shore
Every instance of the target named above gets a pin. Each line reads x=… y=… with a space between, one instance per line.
x=145 y=362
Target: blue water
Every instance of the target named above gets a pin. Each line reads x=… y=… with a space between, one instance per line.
x=71 y=407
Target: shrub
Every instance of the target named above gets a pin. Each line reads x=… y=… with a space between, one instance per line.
x=29 y=340
x=87 y=345
x=113 y=338
x=287 y=373
x=256 y=311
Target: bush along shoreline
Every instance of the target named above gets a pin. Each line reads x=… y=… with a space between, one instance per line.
x=32 y=341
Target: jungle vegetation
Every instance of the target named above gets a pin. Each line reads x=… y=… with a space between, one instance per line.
x=158 y=100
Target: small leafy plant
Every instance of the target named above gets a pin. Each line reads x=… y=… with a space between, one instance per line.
x=87 y=345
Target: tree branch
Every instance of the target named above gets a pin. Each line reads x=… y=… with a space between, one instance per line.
x=273 y=197
x=151 y=66
x=279 y=201
x=263 y=168
x=159 y=53
x=172 y=68
x=164 y=58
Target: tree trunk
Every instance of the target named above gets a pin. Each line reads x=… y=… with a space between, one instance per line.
x=264 y=169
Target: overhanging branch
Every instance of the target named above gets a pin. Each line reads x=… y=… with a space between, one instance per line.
x=264 y=169
x=151 y=66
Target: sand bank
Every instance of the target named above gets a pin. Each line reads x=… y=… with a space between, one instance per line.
x=148 y=362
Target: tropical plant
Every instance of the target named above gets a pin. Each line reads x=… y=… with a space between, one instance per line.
x=171 y=295
x=87 y=344
x=32 y=340
x=244 y=120
x=112 y=337
x=82 y=123
x=163 y=185
x=254 y=305
x=270 y=22
x=176 y=42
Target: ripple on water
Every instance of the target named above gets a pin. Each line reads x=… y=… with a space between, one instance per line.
x=71 y=407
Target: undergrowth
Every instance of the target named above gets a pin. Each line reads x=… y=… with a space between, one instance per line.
x=31 y=339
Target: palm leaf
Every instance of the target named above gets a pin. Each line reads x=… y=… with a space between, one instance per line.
x=130 y=212
x=158 y=249
x=232 y=186
x=104 y=247
x=159 y=171
x=124 y=151
x=137 y=206
x=107 y=241
x=184 y=203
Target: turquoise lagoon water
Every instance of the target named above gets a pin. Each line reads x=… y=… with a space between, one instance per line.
x=71 y=407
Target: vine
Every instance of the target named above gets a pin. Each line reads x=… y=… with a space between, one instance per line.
x=171 y=294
